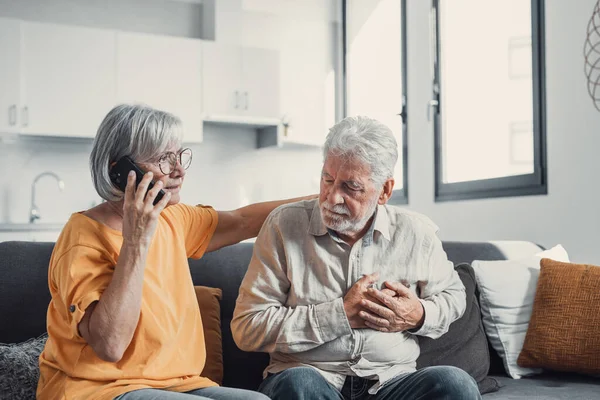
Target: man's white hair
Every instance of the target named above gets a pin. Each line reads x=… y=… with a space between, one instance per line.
x=366 y=140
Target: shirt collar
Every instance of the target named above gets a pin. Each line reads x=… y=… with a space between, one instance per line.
x=380 y=224
x=316 y=227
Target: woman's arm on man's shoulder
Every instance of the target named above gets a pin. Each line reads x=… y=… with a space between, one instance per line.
x=245 y=222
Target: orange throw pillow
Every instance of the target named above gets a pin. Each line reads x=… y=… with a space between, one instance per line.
x=563 y=333
x=210 y=310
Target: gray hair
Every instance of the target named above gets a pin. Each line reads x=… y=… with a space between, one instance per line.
x=366 y=140
x=138 y=131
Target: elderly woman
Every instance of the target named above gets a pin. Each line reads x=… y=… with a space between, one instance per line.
x=123 y=321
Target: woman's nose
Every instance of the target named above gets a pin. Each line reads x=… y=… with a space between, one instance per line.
x=178 y=170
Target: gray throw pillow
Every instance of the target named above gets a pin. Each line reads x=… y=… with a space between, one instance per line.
x=464 y=345
x=19 y=368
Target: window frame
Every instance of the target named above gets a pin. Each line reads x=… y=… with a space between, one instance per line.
x=399 y=196
x=535 y=183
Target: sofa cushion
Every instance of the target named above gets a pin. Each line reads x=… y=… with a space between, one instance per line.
x=19 y=368
x=507 y=289
x=563 y=331
x=225 y=269
x=24 y=292
x=547 y=386
x=467 y=252
x=464 y=345
x=210 y=311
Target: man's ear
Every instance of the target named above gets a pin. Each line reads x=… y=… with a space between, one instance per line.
x=386 y=192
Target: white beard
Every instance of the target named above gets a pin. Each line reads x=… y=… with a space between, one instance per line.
x=341 y=221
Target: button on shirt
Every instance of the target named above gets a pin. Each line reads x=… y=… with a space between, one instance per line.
x=291 y=300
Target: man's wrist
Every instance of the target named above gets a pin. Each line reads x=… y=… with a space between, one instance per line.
x=422 y=319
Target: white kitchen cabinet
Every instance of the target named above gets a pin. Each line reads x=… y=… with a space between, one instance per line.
x=307 y=93
x=10 y=75
x=68 y=79
x=165 y=73
x=260 y=77
x=222 y=77
x=240 y=82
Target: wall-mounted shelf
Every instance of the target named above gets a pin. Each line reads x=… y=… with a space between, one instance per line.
x=268 y=130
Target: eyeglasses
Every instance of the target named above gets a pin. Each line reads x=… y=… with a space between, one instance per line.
x=168 y=161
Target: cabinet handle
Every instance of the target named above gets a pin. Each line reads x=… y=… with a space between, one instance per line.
x=237 y=99
x=433 y=104
x=25 y=116
x=246 y=100
x=12 y=115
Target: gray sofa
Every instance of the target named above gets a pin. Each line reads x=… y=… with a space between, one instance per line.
x=24 y=299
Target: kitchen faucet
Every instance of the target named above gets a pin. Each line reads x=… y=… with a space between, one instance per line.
x=34 y=212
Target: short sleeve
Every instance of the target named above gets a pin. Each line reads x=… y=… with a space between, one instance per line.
x=80 y=277
x=198 y=225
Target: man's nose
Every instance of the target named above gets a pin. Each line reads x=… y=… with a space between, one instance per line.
x=335 y=197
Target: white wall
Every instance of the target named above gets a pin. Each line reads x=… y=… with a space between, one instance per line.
x=570 y=213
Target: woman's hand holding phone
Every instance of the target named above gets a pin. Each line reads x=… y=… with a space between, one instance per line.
x=120 y=169
x=140 y=215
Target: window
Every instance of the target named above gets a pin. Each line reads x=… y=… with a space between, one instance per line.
x=488 y=98
x=375 y=71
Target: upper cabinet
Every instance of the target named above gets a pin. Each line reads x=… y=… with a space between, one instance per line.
x=240 y=83
x=165 y=73
x=260 y=75
x=60 y=80
x=222 y=77
x=68 y=79
x=10 y=75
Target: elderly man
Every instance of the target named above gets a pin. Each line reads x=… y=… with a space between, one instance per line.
x=338 y=290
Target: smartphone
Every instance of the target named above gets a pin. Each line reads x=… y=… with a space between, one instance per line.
x=119 y=171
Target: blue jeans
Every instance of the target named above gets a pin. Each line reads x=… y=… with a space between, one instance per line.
x=214 y=393
x=305 y=383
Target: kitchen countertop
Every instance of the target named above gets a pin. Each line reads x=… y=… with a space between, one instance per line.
x=24 y=227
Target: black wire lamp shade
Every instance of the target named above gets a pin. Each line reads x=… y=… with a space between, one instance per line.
x=592 y=56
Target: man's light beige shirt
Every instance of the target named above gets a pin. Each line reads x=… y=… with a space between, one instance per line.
x=291 y=300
